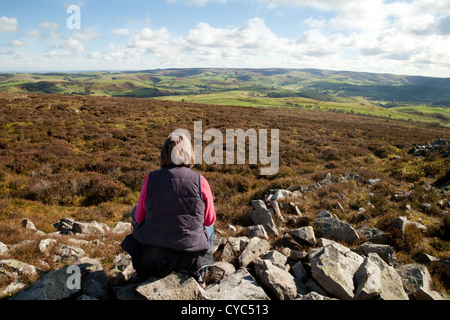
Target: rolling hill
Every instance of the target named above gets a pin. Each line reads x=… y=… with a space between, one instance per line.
x=410 y=98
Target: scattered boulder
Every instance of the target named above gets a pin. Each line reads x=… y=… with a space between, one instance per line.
x=373 y=235
x=4 y=250
x=45 y=245
x=175 y=286
x=372 y=182
x=28 y=225
x=425 y=149
x=122 y=270
x=64 y=225
x=304 y=234
x=52 y=286
x=417 y=282
x=277 y=259
x=334 y=270
x=90 y=228
x=335 y=229
x=261 y=215
x=123 y=228
x=256 y=230
x=383 y=250
x=18 y=268
x=375 y=279
x=278 y=281
x=254 y=249
x=238 y=286
x=402 y=222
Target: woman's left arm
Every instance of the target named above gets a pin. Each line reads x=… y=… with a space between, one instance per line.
x=210 y=212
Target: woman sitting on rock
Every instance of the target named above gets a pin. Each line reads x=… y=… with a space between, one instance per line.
x=174 y=217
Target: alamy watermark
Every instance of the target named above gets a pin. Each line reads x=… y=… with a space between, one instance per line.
x=214 y=152
x=74 y=20
x=74 y=280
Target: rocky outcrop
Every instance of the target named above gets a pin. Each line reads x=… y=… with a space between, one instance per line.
x=264 y=261
x=422 y=150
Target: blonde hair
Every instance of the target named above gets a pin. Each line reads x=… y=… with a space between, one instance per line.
x=177 y=151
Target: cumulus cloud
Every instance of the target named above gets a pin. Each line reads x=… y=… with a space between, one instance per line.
x=87 y=34
x=18 y=43
x=49 y=25
x=8 y=24
x=74 y=45
x=122 y=32
x=372 y=35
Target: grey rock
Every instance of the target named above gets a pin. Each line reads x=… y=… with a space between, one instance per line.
x=64 y=225
x=314 y=296
x=399 y=223
x=373 y=181
x=278 y=281
x=94 y=279
x=12 y=289
x=122 y=228
x=128 y=292
x=238 y=286
x=122 y=270
x=52 y=286
x=28 y=225
x=373 y=234
x=255 y=248
x=68 y=254
x=226 y=266
x=3 y=249
x=277 y=259
x=424 y=258
x=294 y=254
x=228 y=254
x=383 y=250
x=90 y=228
x=18 y=268
x=218 y=242
x=45 y=245
x=375 y=279
x=276 y=210
x=305 y=234
x=335 y=229
x=261 y=215
x=175 y=286
x=323 y=214
x=417 y=281
x=299 y=270
x=334 y=271
x=402 y=222
x=280 y=194
x=256 y=230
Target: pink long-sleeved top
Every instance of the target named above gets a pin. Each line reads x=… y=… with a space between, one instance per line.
x=210 y=212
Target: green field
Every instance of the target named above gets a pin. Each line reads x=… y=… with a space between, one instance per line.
x=405 y=98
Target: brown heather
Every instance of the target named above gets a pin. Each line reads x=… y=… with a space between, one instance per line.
x=86 y=158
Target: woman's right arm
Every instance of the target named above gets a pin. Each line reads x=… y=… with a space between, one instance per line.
x=140 y=213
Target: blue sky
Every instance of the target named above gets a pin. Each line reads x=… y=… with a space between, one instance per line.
x=384 y=36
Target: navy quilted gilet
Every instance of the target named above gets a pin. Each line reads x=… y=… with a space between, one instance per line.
x=175 y=211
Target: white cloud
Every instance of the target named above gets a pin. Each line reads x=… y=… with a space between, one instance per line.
x=36 y=34
x=74 y=45
x=122 y=32
x=18 y=43
x=8 y=24
x=374 y=35
x=94 y=55
x=87 y=34
x=200 y=3
x=49 y=25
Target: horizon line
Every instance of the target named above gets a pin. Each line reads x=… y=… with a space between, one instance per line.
x=217 y=68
